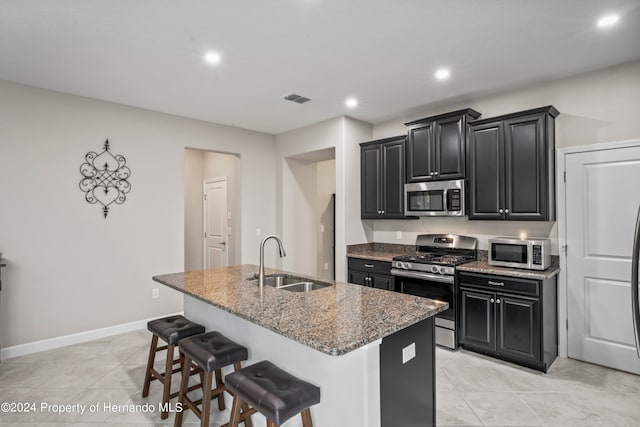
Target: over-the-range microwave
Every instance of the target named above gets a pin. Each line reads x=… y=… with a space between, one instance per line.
x=532 y=254
x=437 y=198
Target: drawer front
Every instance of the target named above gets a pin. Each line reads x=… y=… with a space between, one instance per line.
x=368 y=265
x=501 y=283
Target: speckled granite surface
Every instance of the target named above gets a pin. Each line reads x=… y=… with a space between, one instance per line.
x=378 y=251
x=334 y=320
x=482 y=266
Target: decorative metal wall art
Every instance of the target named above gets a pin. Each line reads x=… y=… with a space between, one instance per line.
x=105 y=178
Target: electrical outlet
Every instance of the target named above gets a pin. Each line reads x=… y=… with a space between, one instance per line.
x=326 y=265
x=399 y=235
x=408 y=353
x=155 y=293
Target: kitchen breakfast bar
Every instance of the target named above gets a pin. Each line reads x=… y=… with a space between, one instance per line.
x=370 y=351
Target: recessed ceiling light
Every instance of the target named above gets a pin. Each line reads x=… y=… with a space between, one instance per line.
x=442 y=74
x=608 y=21
x=212 y=58
x=351 y=102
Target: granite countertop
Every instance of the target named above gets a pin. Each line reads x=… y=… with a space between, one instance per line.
x=378 y=251
x=482 y=266
x=334 y=320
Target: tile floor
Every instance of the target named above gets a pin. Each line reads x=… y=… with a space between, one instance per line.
x=472 y=390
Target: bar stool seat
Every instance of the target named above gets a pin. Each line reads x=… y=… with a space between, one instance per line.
x=174 y=328
x=206 y=354
x=170 y=329
x=274 y=393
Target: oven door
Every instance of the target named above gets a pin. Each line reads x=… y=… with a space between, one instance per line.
x=433 y=286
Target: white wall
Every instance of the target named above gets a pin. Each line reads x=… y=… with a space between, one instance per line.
x=193 y=178
x=71 y=270
x=325 y=188
x=343 y=135
x=601 y=106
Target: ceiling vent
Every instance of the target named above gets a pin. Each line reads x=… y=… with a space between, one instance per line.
x=296 y=98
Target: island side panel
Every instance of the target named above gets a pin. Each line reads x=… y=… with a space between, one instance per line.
x=349 y=384
x=407 y=377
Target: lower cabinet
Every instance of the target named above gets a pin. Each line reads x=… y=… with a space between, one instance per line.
x=509 y=318
x=374 y=274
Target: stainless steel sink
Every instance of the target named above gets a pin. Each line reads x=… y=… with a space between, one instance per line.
x=293 y=283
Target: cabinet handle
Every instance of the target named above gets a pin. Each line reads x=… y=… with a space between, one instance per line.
x=498 y=300
x=492 y=300
x=491 y=282
x=382 y=212
x=369 y=266
x=435 y=173
x=506 y=211
x=500 y=210
x=431 y=174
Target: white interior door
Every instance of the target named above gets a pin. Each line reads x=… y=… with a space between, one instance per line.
x=216 y=248
x=602 y=198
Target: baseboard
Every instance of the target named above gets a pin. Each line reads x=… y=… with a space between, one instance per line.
x=80 y=337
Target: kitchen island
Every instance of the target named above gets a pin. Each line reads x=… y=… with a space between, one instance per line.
x=370 y=351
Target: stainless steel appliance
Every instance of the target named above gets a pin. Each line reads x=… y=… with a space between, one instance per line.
x=634 y=284
x=532 y=254
x=437 y=198
x=430 y=273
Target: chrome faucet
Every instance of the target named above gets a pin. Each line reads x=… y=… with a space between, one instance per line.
x=282 y=254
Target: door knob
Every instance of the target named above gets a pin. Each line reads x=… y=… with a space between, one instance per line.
x=492 y=300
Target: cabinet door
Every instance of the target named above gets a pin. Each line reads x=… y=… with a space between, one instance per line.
x=526 y=169
x=477 y=319
x=358 y=278
x=449 y=149
x=420 y=152
x=486 y=172
x=370 y=181
x=393 y=179
x=518 y=327
x=381 y=281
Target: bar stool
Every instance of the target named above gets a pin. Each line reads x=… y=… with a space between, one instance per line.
x=274 y=393
x=206 y=354
x=171 y=330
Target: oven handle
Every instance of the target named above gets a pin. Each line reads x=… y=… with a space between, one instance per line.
x=424 y=276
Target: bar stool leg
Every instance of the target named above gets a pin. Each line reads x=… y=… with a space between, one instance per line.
x=206 y=399
x=184 y=385
x=168 y=371
x=218 y=384
x=235 y=412
x=271 y=423
x=150 y=361
x=306 y=418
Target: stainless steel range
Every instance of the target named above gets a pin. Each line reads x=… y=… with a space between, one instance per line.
x=430 y=272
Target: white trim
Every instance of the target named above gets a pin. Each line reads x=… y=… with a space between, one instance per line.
x=80 y=337
x=600 y=146
x=561 y=205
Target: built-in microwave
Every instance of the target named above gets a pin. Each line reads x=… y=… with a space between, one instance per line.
x=532 y=254
x=437 y=198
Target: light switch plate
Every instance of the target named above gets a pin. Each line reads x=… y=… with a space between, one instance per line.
x=408 y=353
x=258 y=232
x=399 y=235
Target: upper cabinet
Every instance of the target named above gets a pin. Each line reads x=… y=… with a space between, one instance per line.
x=511 y=166
x=382 y=178
x=436 y=146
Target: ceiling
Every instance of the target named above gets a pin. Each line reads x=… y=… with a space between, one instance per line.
x=149 y=53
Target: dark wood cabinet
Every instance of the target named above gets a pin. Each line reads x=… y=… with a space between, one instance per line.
x=436 y=146
x=371 y=273
x=512 y=319
x=382 y=178
x=511 y=166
